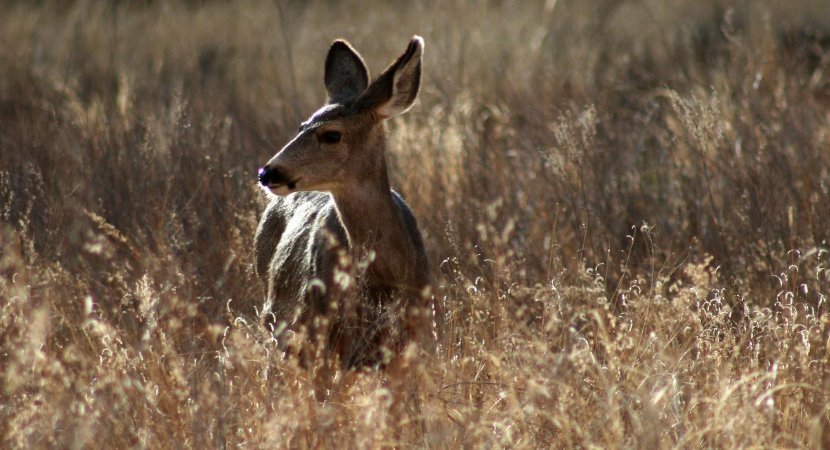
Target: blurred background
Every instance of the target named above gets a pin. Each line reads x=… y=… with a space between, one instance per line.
x=580 y=124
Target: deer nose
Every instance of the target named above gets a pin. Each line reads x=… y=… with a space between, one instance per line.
x=272 y=176
x=264 y=175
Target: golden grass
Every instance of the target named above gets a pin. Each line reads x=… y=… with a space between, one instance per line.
x=626 y=205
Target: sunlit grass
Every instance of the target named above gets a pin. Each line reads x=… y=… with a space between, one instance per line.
x=625 y=204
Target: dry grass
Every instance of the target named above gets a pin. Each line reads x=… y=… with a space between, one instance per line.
x=626 y=204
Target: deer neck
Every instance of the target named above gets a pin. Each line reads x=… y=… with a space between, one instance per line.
x=368 y=212
x=373 y=223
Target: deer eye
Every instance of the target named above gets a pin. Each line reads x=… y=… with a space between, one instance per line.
x=330 y=137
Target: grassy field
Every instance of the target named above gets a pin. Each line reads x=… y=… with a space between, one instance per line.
x=626 y=205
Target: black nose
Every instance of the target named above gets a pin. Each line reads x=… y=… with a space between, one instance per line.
x=269 y=176
x=264 y=175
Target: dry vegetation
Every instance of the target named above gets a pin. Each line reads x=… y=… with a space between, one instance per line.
x=627 y=205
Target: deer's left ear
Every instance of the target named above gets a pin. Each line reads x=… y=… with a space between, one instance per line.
x=395 y=90
x=346 y=74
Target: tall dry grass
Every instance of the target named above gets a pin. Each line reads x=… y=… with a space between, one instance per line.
x=625 y=202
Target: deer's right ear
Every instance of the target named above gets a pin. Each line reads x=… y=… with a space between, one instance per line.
x=346 y=74
x=395 y=90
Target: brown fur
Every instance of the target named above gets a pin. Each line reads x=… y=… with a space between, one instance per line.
x=345 y=248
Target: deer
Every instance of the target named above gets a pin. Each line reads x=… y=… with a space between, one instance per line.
x=339 y=252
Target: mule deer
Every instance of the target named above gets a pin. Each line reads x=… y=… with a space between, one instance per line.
x=338 y=250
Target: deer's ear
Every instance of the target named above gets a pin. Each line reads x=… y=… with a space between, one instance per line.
x=395 y=90
x=346 y=74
